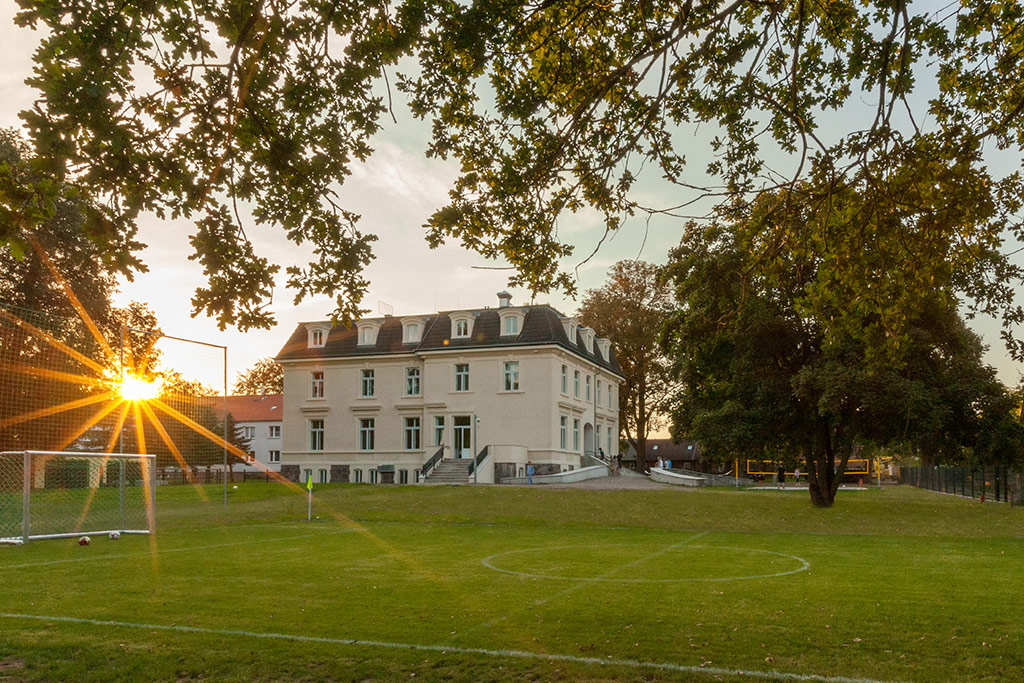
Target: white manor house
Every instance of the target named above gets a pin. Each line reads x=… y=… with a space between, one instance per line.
x=461 y=396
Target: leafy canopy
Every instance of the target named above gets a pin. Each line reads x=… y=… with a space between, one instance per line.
x=194 y=108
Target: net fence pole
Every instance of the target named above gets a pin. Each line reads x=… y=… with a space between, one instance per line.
x=120 y=493
x=225 y=472
x=26 y=497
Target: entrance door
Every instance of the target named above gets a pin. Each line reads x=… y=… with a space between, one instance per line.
x=463 y=439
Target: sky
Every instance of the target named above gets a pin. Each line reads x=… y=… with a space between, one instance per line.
x=394 y=192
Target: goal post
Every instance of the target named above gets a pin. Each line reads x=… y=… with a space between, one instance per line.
x=61 y=494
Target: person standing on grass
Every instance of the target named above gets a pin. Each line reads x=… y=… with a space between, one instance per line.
x=796 y=476
x=529 y=471
x=782 y=476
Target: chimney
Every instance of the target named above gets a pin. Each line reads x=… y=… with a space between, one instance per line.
x=504 y=299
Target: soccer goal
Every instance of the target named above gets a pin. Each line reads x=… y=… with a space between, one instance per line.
x=58 y=494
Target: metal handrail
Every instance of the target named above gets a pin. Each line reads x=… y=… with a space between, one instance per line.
x=478 y=460
x=429 y=465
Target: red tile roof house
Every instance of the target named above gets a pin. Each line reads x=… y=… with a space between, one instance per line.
x=259 y=417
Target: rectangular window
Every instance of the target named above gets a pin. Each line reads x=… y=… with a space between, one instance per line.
x=249 y=432
x=439 y=430
x=576 y=435
x=415 y=476
x=316 y=435
x=597 y=436
x=588 y=387
x=412 y=433
x=317 y=387
x=403 y=476
x=357 y=476
x=597 y=393
x=318 y=337
x=307 y=475
x=275 y=432
x=373 y=476
x=275 y=456
x=576 y=383
x=411 y=333
x=366 y=388
x=512 y=376
x=565 y=380
x=323 y=476
x=461 y=328
x=610 y=451
x=366 y=434
x=511 y=325
x=412 y=381
x=611 y=395
x=462 y=377
x=563 y=428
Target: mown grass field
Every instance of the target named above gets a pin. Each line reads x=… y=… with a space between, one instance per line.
x=510 y=584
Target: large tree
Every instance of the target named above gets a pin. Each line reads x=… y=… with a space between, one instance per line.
x=774 y=370
x=195 y=108
x=266 y=376
x=629 y=309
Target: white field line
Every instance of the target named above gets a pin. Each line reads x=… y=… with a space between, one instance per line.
x=581 y=582
x=616 y=570
x=99 y=558
x=445 y=649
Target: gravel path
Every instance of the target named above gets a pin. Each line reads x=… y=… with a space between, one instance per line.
x=624 y=481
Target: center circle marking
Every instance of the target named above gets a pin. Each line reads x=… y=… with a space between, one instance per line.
x=489 y=563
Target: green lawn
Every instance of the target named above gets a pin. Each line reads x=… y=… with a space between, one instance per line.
x=510 y=584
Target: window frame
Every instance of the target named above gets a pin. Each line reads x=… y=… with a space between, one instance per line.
x=511 y=375
x=565 y=380
x=410 y=380
x=576 y=383
x=563 y=429
x=367 y=433
x=576 y=436
x=317 y=379
x=588 y=383
x=411 y=433
x=273 y=431
x=317 y=430
x=460 y=329
x=439 y=430
x=317 y=339
x=460 y=375
x=273 y=456
x=367 y=383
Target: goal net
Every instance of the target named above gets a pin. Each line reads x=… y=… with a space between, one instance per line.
x=58 y=494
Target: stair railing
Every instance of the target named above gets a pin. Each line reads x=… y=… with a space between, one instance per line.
x=429 y=465
x=477 y=461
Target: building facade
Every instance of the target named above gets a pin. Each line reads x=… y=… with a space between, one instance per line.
x=515 y=384
x=259 y=418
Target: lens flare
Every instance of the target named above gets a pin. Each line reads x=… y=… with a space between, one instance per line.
x=135 y=388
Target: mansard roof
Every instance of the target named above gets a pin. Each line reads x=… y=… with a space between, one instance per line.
x=542 y=326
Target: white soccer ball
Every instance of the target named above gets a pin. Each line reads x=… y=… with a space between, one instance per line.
x=114 y=535
x=235 y=486
x=84 y=540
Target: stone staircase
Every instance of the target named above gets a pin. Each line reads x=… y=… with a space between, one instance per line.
x=452 y=471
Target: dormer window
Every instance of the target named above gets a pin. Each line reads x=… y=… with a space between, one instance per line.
x=587 y=335
x=317 y=335
x=604 y=346
x=511 y=322
x=462 y=325
x=412 y=331
x=368 y=332
x=570 y=325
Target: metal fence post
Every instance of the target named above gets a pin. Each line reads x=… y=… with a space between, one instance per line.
x=26 y=497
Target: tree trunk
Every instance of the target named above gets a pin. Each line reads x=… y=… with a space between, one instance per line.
x=821 y=469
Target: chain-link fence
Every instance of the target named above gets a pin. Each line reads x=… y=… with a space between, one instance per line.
x=983 y=483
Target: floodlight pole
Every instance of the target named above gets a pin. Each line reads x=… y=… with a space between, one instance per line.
x=120 y=434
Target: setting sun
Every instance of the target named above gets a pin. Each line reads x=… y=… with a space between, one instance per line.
x=135 y=388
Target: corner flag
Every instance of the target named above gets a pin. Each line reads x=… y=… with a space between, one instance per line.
x=309 y=487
